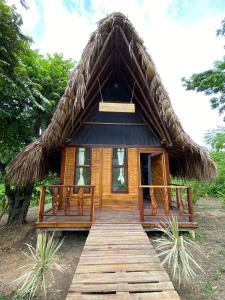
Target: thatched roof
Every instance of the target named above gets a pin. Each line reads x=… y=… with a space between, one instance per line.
x=114 y=48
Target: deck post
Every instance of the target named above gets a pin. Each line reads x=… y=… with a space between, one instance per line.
x=54 y=200
x=179 y=201
x=92 y=215
x=67 y=200
x=154 y=201
x=141 y=205
x=190 y=204
x=80 y=201
x=166 y=201
x=41 y=203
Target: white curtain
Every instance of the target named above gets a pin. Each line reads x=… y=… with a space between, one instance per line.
x=120 y=155
x=81 y=157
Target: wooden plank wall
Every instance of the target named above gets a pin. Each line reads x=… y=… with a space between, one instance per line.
x=101 y=177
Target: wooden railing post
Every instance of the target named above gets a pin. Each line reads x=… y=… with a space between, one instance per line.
x=67 y=201
x=154 y=202
x=190 y=204
x=41 y=203
x=166 y=202
x=80 y=201
x=141 y=204
x=92 y=215
x=54 y=200
x=180 y=205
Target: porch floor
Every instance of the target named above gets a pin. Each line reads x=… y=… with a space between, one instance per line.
x=75 y=222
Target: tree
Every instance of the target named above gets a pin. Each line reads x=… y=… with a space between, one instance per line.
x=211 y=82
x=216 y=139
x=30 y=86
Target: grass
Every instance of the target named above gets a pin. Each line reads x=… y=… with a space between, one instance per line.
x=207 y=288
x=176 y=251
x=42 y=263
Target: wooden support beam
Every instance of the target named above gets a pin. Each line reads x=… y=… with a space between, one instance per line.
x=190 y=204
x=41 y=203
x=146 y=118
x=141 y=204
x=92 y=215
x=154 y=201
x=80 y=201
x=154 y=121
x=179 y=201
x=89 y=91
x=78 y=122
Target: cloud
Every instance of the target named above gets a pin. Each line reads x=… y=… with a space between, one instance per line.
x=179 y=46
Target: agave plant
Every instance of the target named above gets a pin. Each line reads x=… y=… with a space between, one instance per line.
x=42 y=263
x=176 y=251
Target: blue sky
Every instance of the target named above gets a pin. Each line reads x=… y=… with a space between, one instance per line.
x=180 y=35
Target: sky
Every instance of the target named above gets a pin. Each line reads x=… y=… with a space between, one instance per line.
x=180 y=36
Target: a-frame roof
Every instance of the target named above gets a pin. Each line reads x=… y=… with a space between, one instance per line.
x=114 y=51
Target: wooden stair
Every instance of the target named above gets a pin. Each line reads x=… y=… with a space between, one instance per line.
x=118 y=262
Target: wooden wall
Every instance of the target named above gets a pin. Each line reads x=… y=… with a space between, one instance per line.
x=101 y=177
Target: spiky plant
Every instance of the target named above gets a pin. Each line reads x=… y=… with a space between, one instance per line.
x=42 y=263
x=176 y=251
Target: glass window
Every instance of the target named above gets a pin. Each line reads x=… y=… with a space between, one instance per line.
x=83 y=168
x=119 y=170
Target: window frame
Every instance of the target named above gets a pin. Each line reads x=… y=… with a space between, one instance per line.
x=125 y=166
x=76 y=190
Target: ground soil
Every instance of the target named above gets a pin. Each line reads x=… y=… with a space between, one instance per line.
x=210 y=215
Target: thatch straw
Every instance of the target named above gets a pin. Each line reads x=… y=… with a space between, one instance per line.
x=187 y=159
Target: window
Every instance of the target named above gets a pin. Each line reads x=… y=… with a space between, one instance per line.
x=83 y=168
x=119 y=170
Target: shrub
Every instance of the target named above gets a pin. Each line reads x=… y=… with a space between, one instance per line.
x=42 y=263
x=176 y=250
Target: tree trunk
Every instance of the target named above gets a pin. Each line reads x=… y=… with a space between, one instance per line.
x=19 y=201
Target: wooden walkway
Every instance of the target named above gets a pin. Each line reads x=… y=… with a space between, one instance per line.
x=119 y=262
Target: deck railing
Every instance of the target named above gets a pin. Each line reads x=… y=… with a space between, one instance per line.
x=167 y=200
x=60 y=204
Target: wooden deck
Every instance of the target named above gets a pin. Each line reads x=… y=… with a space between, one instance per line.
x=118 y=262
x=75 y=222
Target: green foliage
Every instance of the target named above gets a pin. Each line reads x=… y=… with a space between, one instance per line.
x=36 y=192
x=176 y=251
x=214 y=188
x=215 y=138
x=30 y=87
x=42 y=263
x=211 y=82
x=207 y=288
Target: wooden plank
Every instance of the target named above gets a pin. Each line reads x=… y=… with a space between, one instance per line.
x=121 y=277
x=119 y=267
x=165 y=295
x=121 y=287
x=117 y=107
x=118 y=253
x=110 y=260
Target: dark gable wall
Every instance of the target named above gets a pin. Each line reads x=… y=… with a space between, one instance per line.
x=114 y=135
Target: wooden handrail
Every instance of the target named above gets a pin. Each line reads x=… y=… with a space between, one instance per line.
x=164 y=186
x=62 y=185
x=166 y=201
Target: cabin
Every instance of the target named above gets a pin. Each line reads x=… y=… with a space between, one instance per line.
x=115 y=142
